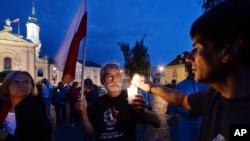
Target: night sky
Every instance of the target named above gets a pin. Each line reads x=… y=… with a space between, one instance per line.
x=166 y=24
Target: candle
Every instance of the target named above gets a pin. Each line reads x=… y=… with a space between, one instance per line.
x=132 y=91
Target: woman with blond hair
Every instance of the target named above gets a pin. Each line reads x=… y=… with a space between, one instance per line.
x=21 y=117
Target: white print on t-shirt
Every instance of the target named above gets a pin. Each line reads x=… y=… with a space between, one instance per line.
x=219 y=137
x=9 y=124
x=111 y=135
x=110 y=118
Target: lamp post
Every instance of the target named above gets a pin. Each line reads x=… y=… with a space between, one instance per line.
x=54 y=75
x=162 y=74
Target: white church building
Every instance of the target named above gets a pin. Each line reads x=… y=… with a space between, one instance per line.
x=22 y=53
x=18 y=53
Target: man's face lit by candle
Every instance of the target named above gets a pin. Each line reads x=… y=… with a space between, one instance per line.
x=113 y=82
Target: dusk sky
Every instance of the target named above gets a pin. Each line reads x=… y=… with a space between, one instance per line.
x=165 y=22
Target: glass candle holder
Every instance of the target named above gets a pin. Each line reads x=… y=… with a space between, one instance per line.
x=132 y=91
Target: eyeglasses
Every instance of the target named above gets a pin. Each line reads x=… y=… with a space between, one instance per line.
x=112 y=77
x=17 y=82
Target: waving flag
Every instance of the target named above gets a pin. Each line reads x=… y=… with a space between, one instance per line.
x=66 y=57
x=16 y=20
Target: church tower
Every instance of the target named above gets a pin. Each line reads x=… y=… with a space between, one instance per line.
x=33 y=30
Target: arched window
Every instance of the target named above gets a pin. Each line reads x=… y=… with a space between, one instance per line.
x=7 y=63
x=40 y=72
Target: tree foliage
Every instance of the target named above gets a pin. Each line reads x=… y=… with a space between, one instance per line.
x=137 y=59
x=209 y=4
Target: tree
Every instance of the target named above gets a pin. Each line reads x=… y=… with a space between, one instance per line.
x=137 y=59
x=209 y=4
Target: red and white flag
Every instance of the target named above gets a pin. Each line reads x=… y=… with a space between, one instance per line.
x=16 y=20
x=67 y=55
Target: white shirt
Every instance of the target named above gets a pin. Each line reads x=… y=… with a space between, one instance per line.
x=9 y=124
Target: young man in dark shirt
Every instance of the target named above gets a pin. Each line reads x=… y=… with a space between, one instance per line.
x=219 y=58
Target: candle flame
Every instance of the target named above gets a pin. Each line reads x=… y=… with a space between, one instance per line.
x=135 y=80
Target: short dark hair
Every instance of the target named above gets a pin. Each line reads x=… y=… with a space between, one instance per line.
x=45 y=80
x=88 y=82
x=227 y=22
x=173 y=81
x=75 y=83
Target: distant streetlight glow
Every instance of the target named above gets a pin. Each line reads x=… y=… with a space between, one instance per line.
x=54 y=75
x=161 y=68
x=162 y=74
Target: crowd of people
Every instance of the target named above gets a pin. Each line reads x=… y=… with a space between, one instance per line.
x=19 y=90
x=208 y=111
x=25 y=106
x=64 y=95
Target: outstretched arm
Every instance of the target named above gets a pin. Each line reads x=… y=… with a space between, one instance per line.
x=172 y=96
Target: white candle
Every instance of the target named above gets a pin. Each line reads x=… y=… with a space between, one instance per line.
x=132 y=91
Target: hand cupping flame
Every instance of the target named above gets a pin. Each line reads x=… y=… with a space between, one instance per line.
x=140 y=81
x=137 y=80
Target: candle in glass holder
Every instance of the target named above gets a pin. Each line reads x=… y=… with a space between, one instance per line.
x=132 y=91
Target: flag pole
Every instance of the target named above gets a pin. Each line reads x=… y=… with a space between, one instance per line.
x=18 y=28
x=83 y=66
x=83 y=57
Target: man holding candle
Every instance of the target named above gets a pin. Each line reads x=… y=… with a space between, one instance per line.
x=112 y=117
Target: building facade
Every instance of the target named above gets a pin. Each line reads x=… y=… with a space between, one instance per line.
x=19 y=53
x=22 y=53
x=176 y=68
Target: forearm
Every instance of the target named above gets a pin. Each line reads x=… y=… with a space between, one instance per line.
x=88 y=128
x=172 y=96
x=152 y=118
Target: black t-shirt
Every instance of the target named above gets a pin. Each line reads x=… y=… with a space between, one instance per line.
x=113 y=118
x=219 y=113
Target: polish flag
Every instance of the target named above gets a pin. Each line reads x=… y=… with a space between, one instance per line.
x=16 y=20
x=67 y=55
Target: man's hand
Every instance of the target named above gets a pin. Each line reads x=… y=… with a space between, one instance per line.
x=81 y=105
x=138 y=103
x=141 y=82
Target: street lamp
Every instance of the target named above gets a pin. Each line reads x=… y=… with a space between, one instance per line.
x=161 y=69
x=54 y=75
